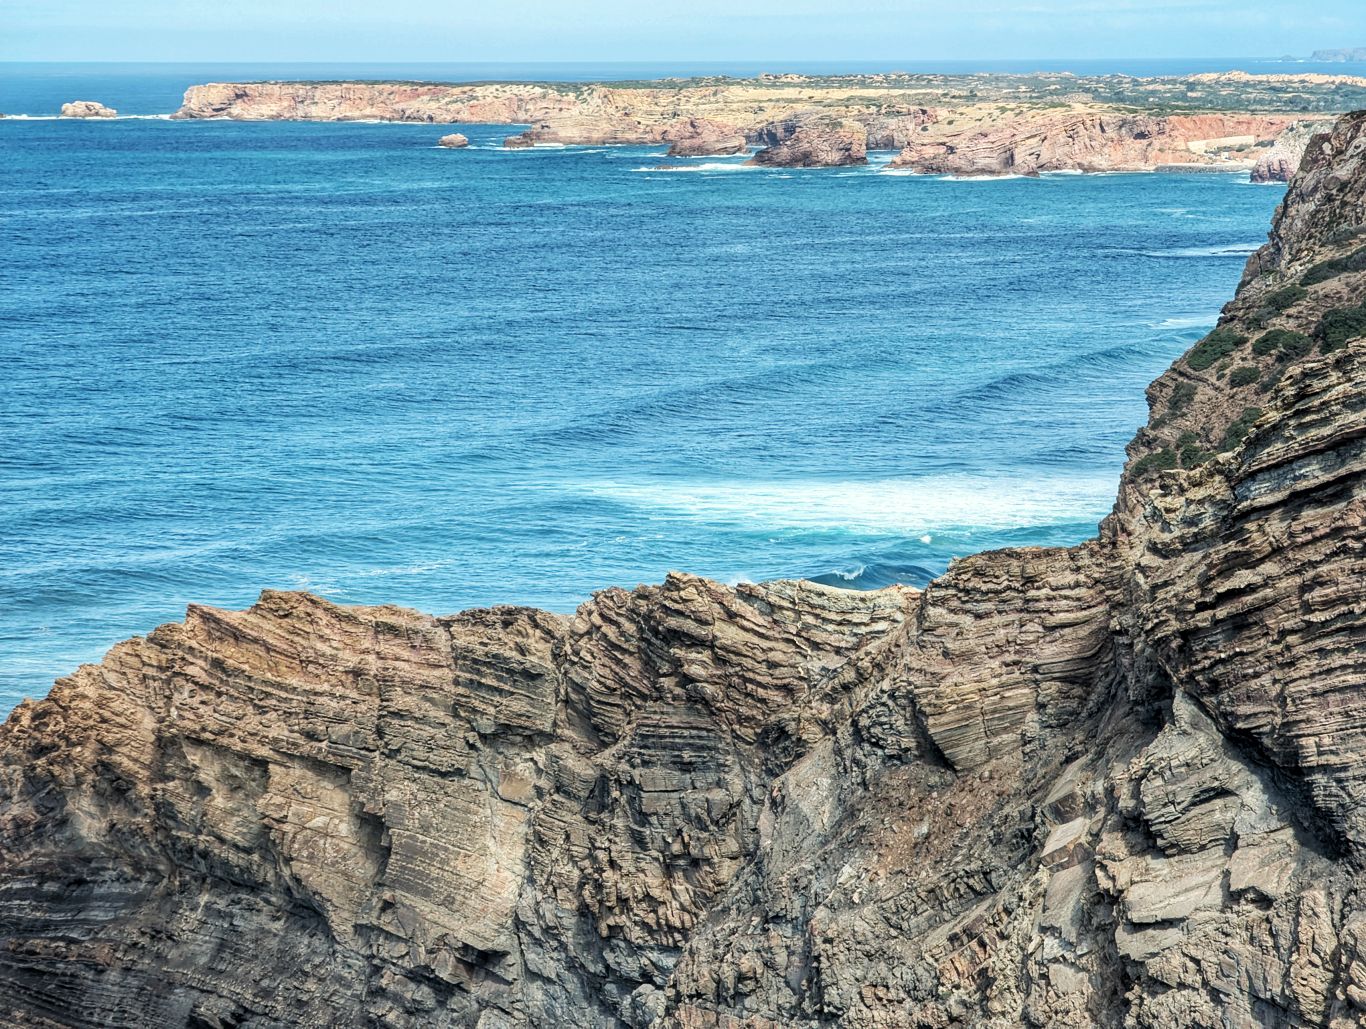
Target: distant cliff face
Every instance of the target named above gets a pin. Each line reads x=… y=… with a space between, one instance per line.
x=1120 y=784
x=971 y=125
x=1089 y=140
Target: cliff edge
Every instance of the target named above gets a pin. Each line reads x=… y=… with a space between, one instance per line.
x=1119 y=784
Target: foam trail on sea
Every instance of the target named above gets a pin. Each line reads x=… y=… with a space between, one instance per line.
x=910 y=506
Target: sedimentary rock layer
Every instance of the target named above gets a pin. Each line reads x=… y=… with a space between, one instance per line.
x=1119 y=784
x=974 y=125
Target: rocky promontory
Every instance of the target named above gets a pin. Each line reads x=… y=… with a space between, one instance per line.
x=87 y=109
x=955 y=124
x=1121 y=784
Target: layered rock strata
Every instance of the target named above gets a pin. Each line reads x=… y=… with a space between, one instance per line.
x=1082 y=140
x=817 y=143
x=1119 y=784
x=970 y=125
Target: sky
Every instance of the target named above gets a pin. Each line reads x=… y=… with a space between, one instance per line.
x=663 y=30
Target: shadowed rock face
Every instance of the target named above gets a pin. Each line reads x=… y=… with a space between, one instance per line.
x=817 y=143
x=1120 y=784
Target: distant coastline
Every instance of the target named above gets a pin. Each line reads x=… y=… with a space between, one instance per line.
x=969 y=125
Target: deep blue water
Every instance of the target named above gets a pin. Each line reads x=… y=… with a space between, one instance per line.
x=337 y=358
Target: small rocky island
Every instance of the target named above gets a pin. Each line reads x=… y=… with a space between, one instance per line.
x=454 y=141
x=1120 y=784
x=87 y=109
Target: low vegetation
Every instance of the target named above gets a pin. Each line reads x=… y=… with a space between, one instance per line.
x=1242 y=425
x=1331 y=269
x=1217 y=345
x=1283 y=343
x=1244 y=376
x=1161 y=461
x=1336 y=328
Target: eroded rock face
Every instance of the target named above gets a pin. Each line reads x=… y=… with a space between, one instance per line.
x=87 y=109
x=1089 y=140
x=817 y=143
x=1119 y=785
x=700 y=137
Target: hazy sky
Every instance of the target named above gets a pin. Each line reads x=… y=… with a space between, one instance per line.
x=696 y=30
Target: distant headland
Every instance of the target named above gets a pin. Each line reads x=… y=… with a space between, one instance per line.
x=979 y=124
x=1353 y=53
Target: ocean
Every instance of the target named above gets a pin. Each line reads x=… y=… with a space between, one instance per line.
x=338 y=358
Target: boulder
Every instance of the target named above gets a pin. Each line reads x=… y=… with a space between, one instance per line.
x=455 y=141
x=87 y=109
x=519 y=142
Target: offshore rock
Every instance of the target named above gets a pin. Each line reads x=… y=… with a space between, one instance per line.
x=817 y=143
x=454 y=141
x=87 y=109
x=518 y=142
x=1121 y=784
x=700 y=137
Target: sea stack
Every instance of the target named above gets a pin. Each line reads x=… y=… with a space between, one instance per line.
x=87 y=109
x=455 y=141
x=818 y=143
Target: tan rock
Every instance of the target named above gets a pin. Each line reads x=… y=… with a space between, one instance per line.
x=817 y=143
x=87 y=109
x=454 y=141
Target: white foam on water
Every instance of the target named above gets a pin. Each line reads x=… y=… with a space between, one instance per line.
x=912 y=507
x=1191 y=321
x=708 y=166
x=1234 y=250
x=979 y=178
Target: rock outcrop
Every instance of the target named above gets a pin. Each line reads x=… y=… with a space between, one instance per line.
x=454 y=141
x=1088 y=140
x=1119 y=784
x=700 y=137
x=817 y=143
x=962 y=124
x=87 y=109
x=1280 y=162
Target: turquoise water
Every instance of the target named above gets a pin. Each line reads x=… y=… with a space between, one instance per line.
x=336 y=358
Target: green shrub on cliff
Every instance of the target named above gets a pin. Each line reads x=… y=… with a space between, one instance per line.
x=1244 y=376
x=1337 y=327
x=1162 y=461
x=1219 y=343
x=1237 y=432
x=1181 y=397
x=1285 y=298
x=1325 y=270
x=1191 y=453
x=1284 y=343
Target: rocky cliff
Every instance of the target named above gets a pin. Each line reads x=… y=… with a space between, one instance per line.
x=973 y=125
x=1119 y=784
x=1089 y=140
